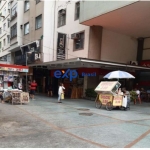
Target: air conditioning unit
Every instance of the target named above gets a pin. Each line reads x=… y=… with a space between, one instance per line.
x=134 y=63
x=75 y=36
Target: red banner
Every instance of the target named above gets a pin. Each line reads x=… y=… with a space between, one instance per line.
x=145 y=63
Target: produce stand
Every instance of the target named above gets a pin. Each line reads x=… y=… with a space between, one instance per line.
x=109 y=96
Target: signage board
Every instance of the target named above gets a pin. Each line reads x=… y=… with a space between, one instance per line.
x=105 y=98
x=117 y=101
x=61 y=46
x=107 y=87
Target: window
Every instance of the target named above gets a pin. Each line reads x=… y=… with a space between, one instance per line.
x=77 y=10
x=79 y=42
x=8 y=23
x=37 y=1
x=4 y=26
x=4 y=42
x=4 y=12
x=61 y=17
x=8 y=39
x=14 y=11
x=38 y=22
x=0 y=45
x=0 y=30
x=26 y=5
x=14 y=31
x=26 y=28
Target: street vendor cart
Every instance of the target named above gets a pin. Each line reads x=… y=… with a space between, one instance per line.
x=109 y=95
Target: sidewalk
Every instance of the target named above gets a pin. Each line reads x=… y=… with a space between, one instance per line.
x=73 y=123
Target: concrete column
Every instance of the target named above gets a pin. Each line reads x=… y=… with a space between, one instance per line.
x=85 y=85
x=140 y=49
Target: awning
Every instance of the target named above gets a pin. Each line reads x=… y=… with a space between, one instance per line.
x=18 y=68
x=88 y=63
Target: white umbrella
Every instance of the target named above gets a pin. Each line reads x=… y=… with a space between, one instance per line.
x=118 y=75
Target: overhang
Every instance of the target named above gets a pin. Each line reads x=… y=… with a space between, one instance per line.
x=88 y=63
x=132 y=20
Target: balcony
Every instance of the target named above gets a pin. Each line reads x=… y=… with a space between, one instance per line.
x=13 y=16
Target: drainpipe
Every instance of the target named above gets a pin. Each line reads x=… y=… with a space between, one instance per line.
x=54 y=29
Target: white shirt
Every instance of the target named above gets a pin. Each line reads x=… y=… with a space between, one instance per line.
x=60 y=90
x=137 y=92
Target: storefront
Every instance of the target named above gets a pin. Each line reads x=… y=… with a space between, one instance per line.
x=86 y=66
x=10 y=75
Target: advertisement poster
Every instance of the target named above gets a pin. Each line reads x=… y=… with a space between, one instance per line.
x=117 y=101
x=61 y=46
x=105 y=98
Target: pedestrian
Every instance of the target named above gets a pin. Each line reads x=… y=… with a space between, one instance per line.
x=138 y=96
x=1 y=97
x=127 y=93
x=50 y=90
x=60 y=92
x=33 y=86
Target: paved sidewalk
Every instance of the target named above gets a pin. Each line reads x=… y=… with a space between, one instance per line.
x=73 y=123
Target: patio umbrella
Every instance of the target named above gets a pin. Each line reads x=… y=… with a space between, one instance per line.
x=118 y=75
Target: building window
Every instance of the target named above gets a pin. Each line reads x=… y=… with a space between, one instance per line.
x=0 y=45
x=4 y=26
x=4 y=42
x=4 y=12
x=8 y=23
x=37 y=1
x=38 y=22
x=26 y=5
x=14 y=31
x=0 y=30
x=8 y=39
x=77 y=10
x=14 y=12
x=26 y=28
x=61 y=17
x=79 y=41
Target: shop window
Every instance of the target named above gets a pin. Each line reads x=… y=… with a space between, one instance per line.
x=14 y=31
x=26 y=6
x=79 y=41
x=26 y=28
x=77 y=10
x=37 y=1
x=38 y=22
x=61 y=17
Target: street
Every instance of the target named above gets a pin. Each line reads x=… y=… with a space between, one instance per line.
x=72 y=124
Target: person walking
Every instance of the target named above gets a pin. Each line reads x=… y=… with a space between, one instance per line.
x=33 y=86
x=60 y=92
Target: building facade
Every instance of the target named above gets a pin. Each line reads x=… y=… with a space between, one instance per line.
x=5 y=55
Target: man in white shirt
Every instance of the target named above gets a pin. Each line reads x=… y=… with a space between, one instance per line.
x=60 y=91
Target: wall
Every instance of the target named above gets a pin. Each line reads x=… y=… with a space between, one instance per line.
x=91 y=9
x=72 y=26
x=95 y=42
x=48 y=30
x=117 y=47
x=146 y=49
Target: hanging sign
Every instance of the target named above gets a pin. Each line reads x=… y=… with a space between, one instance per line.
x=61 y=46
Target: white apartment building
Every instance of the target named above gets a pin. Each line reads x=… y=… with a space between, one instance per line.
x=5 y=55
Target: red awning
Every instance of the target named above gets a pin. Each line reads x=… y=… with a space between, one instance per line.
x=10 y=67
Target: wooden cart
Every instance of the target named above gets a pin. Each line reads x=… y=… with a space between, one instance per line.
x=108 y=95
x=110 y=101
